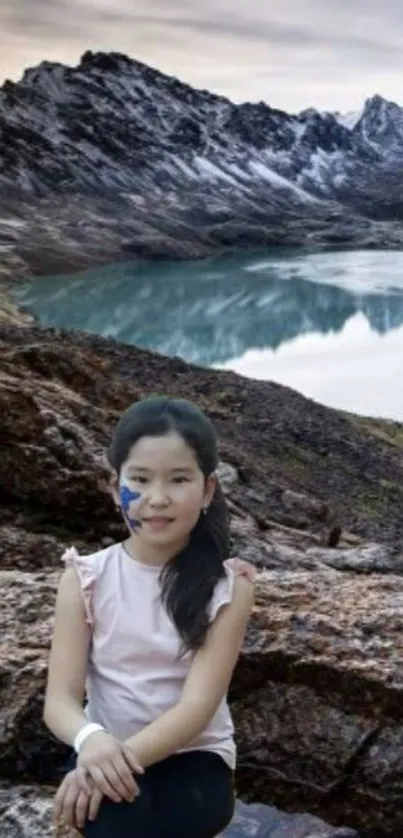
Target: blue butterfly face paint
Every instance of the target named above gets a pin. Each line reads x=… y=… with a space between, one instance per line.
x=127 y=497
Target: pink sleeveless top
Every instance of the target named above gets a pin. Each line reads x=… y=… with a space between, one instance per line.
x=134 y=671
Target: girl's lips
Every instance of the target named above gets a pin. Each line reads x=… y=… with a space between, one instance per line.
x=158 y=524
x=158 y=519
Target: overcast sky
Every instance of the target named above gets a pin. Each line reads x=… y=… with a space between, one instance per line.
x=291 y=53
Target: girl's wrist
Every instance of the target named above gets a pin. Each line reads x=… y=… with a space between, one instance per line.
x=83 y=734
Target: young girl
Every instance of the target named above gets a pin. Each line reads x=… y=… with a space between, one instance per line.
x=152 y=628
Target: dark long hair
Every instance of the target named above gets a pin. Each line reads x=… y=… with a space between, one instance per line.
x=189 y=578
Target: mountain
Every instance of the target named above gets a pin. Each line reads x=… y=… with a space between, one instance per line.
x=114 y=160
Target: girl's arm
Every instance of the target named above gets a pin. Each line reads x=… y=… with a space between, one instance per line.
x=63 y=710
x=206 y=685
x=104 y=757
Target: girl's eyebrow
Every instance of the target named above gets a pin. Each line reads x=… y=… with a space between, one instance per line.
x=180 y=469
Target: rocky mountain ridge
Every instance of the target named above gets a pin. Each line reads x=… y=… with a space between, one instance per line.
x=114 y=160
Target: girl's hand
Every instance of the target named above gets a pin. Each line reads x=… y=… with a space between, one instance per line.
x=111 y=765
x=73 y=805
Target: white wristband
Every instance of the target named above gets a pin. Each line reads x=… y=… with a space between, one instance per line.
x=84 y=733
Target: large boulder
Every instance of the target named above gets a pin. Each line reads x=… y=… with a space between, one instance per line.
x=317 y=691
x=26 y=811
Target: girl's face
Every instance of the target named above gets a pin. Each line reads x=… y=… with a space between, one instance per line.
x=162 y=490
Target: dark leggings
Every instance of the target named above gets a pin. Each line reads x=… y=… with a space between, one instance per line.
x=188 y=795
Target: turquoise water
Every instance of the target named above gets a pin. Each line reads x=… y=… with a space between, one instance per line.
x=327 y=324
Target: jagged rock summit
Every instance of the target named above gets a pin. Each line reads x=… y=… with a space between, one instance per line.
x=114 y=160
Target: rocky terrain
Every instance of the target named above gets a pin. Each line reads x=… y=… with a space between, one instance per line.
x=316 y=504
x=114 y=160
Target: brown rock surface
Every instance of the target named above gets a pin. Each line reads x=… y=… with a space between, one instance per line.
x=25 y=812
x=318 y=689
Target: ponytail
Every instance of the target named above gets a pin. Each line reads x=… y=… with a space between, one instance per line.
x=189 y=579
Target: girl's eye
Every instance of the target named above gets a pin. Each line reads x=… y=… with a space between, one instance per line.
x=137 y=478
x=180 y=479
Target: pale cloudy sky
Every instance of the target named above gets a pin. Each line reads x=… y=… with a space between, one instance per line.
x=291 y=53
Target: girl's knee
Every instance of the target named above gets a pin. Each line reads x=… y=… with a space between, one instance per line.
x=122 y=820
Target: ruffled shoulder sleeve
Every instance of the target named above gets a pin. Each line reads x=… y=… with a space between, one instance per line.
x=225 y=586
x=86 y=568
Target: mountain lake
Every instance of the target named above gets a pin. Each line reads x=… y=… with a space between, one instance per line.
x=328 y=324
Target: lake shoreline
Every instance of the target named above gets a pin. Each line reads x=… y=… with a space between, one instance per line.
x=328 y=322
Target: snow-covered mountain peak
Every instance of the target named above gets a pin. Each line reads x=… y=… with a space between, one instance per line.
x=152 y=159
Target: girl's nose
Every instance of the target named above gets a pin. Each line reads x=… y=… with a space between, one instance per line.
x=158 y=496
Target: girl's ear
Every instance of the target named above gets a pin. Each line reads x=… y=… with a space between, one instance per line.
x=210 y=487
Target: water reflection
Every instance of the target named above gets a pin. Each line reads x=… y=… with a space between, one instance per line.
x=215 y=312
x=356 y=369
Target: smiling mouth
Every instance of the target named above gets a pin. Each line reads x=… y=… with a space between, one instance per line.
x=158 y=520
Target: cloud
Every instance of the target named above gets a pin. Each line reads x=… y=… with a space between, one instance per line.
x=282 y=34
x=40 y=19
x=329 y=53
